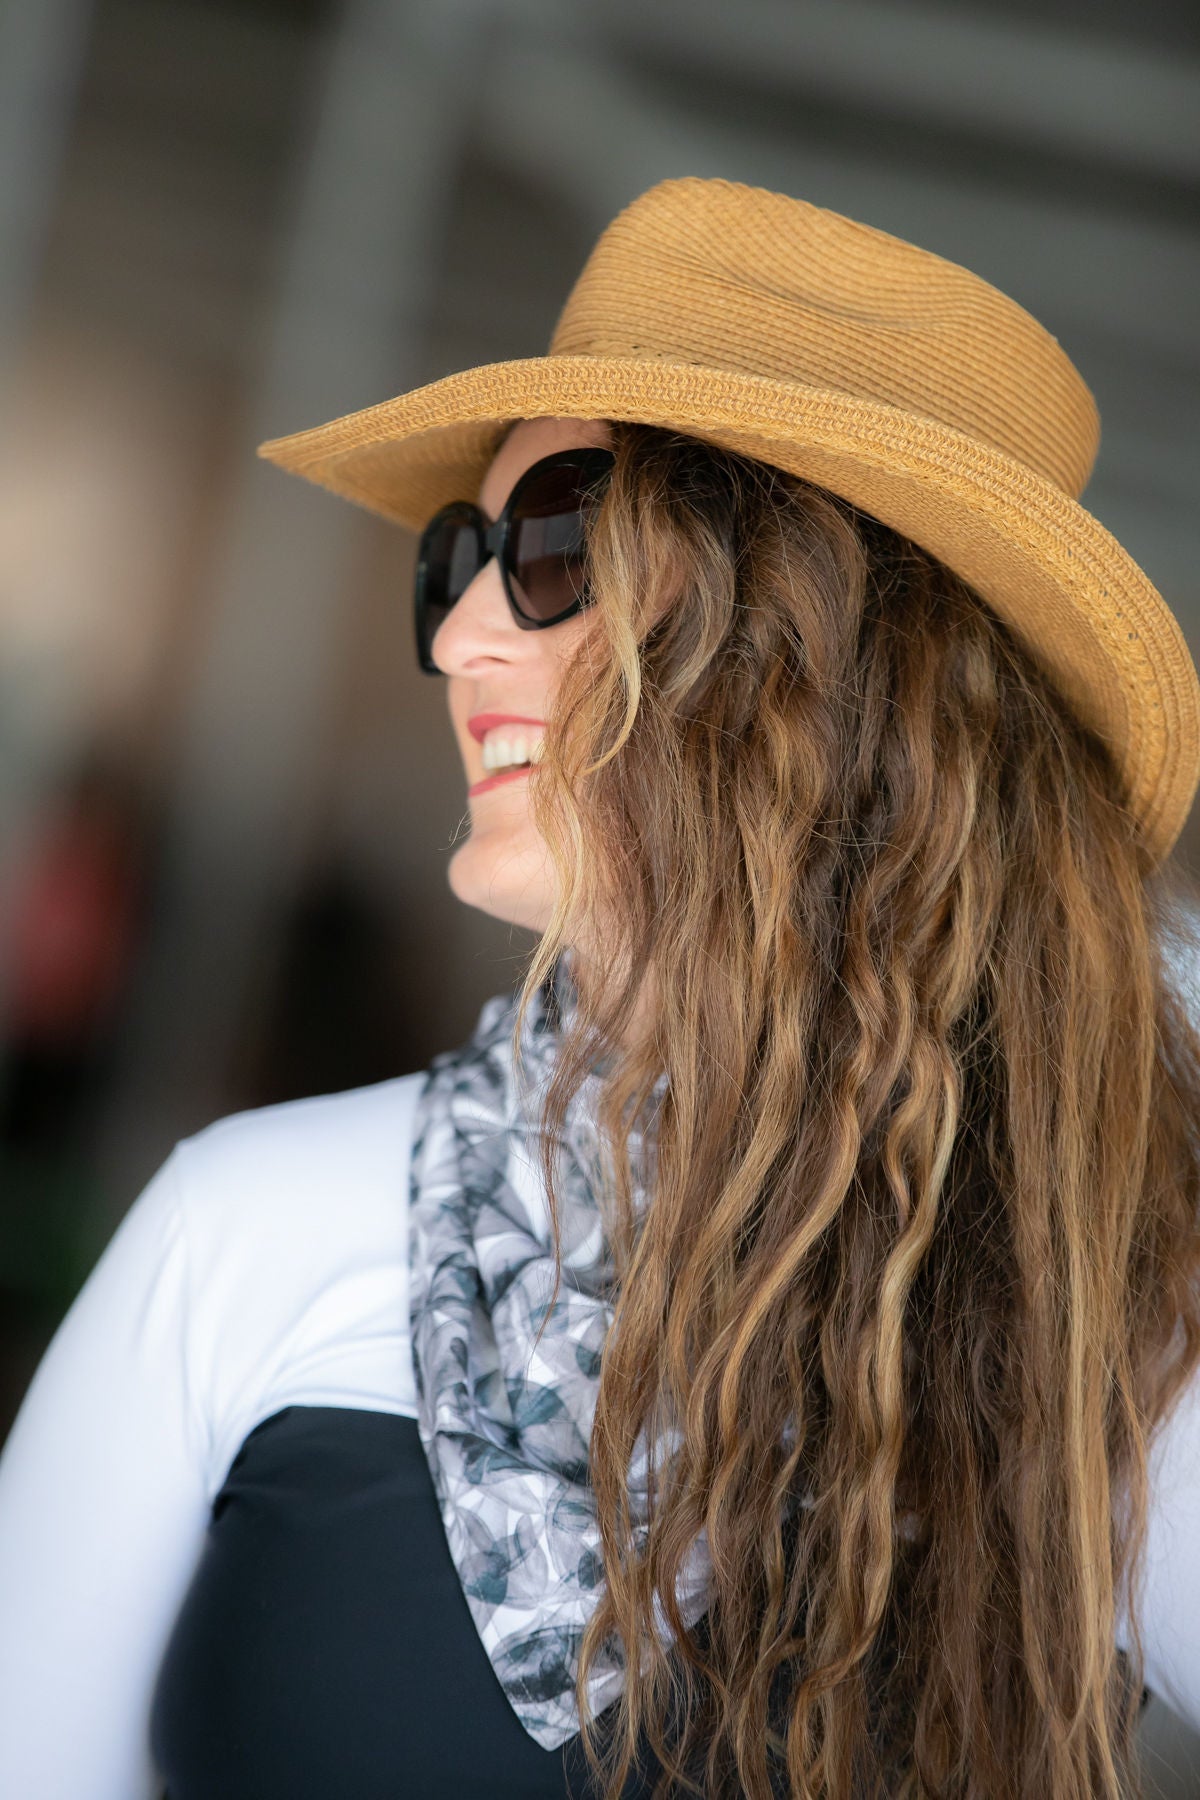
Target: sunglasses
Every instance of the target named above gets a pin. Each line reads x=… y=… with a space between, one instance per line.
x=538 y=541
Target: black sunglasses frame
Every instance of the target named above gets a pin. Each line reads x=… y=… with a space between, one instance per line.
x=495 y=540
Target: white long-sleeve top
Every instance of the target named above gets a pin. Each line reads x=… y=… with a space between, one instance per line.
x=264 y=1266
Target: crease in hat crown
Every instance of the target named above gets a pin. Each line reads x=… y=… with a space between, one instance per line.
x=884 y=372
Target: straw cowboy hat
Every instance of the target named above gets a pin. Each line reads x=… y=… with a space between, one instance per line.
x=878 y=370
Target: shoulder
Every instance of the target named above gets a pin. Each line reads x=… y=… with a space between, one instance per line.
x=273 y=1197
x=295 y=1155
x=295 y=1223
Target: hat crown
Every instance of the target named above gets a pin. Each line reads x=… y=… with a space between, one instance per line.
x=726 y=276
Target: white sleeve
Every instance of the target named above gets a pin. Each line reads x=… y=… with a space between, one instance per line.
x=1169 y=1609
x=103 y=1508
x=1170 y=1593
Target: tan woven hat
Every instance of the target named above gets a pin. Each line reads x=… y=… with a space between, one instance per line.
x=884 y=373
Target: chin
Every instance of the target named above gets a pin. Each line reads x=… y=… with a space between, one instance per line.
x=478 y=882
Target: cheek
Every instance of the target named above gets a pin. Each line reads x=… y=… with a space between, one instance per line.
x=586 y=631
x=578 y=640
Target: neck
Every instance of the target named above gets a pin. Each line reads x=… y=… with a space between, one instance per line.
x=592 y=973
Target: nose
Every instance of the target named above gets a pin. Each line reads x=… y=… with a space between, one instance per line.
x=479 y=624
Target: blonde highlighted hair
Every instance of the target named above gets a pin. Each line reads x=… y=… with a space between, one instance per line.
x=917 y=1280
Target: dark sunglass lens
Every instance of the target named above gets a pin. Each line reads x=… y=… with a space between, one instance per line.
x=547 y=542
x=447 y=564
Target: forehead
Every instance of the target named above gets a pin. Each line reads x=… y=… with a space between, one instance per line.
x=527 y=442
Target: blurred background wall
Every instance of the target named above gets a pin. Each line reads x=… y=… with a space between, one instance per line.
x=227 y=796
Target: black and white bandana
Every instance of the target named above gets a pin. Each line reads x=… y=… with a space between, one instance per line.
x=505 y=1426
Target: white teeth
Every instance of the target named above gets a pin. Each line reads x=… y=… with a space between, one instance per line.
x=503 y=750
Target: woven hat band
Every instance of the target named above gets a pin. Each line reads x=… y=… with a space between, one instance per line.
x=728 y=277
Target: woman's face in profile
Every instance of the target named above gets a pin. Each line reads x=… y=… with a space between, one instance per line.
x=493 y=666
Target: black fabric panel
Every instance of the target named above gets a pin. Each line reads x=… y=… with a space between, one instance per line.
x=325 y=1648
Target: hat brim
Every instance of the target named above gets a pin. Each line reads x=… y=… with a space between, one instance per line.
x=1064 y=584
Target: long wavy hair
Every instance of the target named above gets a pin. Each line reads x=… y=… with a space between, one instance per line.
x=917 y=1277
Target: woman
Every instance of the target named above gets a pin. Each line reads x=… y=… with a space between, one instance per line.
x=796 y=1301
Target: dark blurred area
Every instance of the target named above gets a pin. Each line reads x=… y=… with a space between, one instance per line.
x=226 y=793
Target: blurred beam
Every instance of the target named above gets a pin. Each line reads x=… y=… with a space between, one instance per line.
x=1117 y=274
x=1035 y=82
x=347 y=328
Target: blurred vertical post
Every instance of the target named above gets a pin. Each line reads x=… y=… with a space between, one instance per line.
x=41 y=48
x=41 y=53
x=356 y=277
